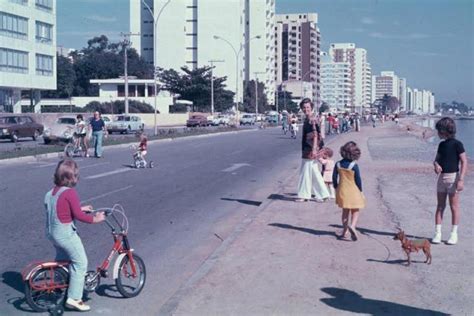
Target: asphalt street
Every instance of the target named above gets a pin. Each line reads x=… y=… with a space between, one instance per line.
x=180 y=211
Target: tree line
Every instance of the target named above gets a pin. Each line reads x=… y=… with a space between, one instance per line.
x=103 y=59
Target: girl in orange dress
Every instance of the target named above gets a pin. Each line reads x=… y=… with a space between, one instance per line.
x=348 y=184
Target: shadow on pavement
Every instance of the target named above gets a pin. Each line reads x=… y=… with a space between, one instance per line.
x=281 y=197
x=368 y=231
x=108 y=290
x=247 y=202
x=304 y=230
x=14 y=280
x=351 y=301
x=397 y=261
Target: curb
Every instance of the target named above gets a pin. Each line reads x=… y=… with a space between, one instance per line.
x=59 y=155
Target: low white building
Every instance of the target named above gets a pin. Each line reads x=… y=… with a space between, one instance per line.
x=298 y=89
x=27 y=50
x=141 y=90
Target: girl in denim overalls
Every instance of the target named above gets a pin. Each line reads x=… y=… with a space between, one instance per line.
x=62 y=208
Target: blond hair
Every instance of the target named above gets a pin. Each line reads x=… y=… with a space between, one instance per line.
x=66 y=174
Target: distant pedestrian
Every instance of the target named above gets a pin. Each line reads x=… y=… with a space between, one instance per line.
x=348 y=184
x=98 y=130
x=373 y=117
x=450 y=154
x=328 y=168
x=310 y=180
x=396 y=119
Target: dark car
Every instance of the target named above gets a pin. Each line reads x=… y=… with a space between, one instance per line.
x=14 y=127
x=197 y=120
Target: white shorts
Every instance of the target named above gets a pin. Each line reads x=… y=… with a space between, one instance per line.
x=447 y=182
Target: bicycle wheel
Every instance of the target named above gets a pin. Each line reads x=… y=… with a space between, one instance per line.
x=128 y=285
x=40 y=296
x=69 y=150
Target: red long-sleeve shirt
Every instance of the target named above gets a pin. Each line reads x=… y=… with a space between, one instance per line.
x=69 y=207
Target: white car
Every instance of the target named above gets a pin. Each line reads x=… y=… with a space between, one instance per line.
x=221 y=120
x=248 y=119
x=125 y=124
x=62 y=130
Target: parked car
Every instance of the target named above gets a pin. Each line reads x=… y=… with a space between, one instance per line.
x=125 y=124
x=248 y=119
x=221 y=119
x=61 y=130
x=14 y=127
x=197 y=120
x=259 y=118
x=272 y=118
x=107 y=120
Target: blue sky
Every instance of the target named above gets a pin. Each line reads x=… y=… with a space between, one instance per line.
x=429 y=42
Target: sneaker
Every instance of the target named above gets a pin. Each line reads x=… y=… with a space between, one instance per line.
x=437 y=238
x=453 y=239
x=77 y=305
x=87 y=156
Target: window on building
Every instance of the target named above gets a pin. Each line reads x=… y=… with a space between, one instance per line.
x=151 y=90
x=13 y=60
x=44 y=65
x=13 y=26
x=45 y=5
x=22 y=2
x=140 y=90
x=44 y=32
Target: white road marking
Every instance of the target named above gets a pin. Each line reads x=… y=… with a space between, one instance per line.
x=47 y=165
x=108 y=193
x=94 y=165
x=236 y=166
x=105 y=174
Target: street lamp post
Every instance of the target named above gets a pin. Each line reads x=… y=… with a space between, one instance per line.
x=212 y=82
x=155 y=59
x=126 y=43
x=236 y=53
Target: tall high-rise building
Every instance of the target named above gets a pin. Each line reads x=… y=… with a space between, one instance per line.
x=359 y=75
x=298 y=43
x=402 y=94
x=336 y=84
x=387 y=83
x=27 y=50
x=410 y=100
x=193 y=32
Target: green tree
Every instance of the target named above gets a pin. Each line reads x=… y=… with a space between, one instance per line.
x=195 y=85
x=324 y=107
x=104 y=60
x=387 y=104
x=249 y=98
x=285 y=102
x=65 y=78
x=118 y=107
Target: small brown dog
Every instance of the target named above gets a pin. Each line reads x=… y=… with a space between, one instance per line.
x=414 y=246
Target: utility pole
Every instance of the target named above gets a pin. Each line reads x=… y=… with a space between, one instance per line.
x=212 y=61
x=126 y=43
x=256 y=90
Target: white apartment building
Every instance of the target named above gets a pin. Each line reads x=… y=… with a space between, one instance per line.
x=336 y=86
x=27 y=50
x=193 y=32
x=420 y=101
x=297 y=51
x=387 y=83
x=402 y=94
x=360 y=73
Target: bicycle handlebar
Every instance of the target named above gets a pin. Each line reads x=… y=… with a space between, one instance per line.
x=117 y=208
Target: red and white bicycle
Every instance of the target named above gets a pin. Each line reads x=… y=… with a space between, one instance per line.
x=46 y=282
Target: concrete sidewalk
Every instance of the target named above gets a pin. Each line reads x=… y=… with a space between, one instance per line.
x=287 y=259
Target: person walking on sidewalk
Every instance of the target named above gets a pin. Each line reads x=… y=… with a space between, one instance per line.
x=98 y=130
x=450 y=181
x=310 y=180
x=348 y=184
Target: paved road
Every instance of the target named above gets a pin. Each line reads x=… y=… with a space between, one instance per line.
x=27 y=142
x=200 y=189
